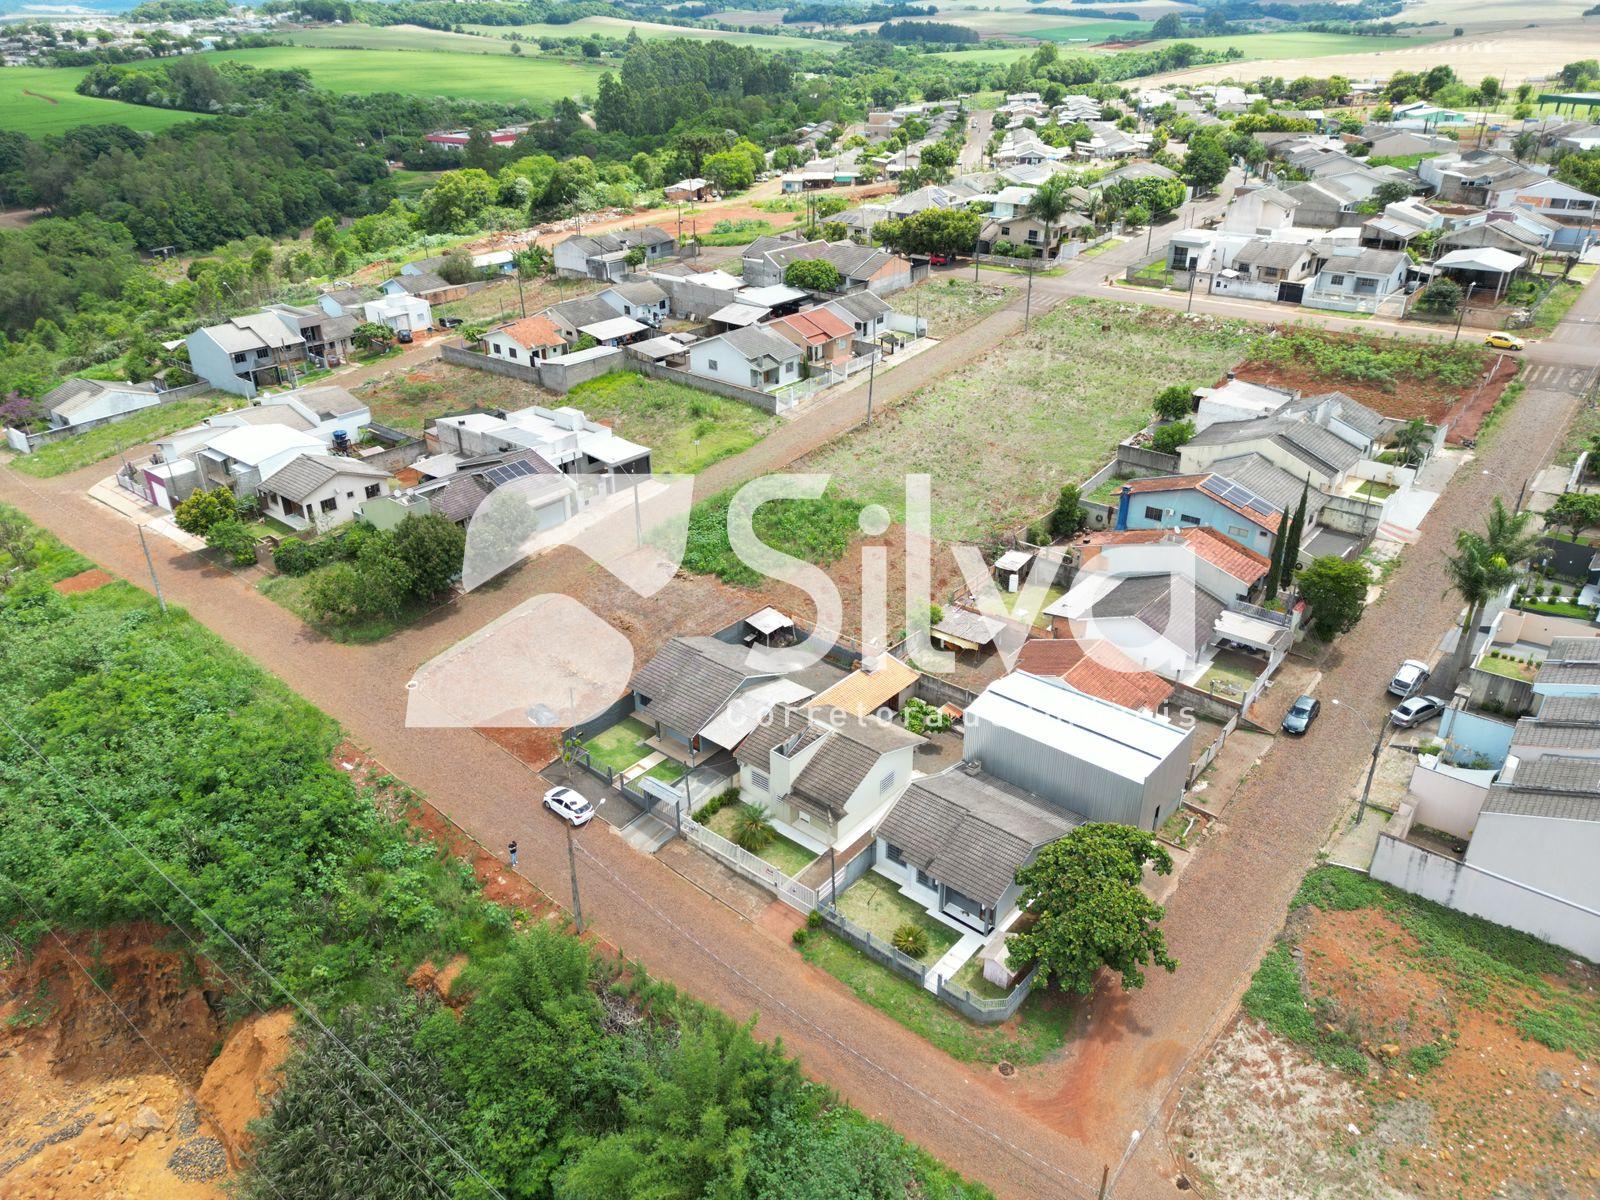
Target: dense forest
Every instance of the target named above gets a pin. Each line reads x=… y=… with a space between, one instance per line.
x=564 y=1074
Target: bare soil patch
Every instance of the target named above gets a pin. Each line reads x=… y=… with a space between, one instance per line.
x=83 y=581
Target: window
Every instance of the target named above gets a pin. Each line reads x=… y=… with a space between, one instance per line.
x=331 y=504
x=239 y=358
x=1005 y=231
x=511 y=351
x=887 y=783
x=1188 y=520
x=1238 y=532
x=896 y=855
x=1152 y=513
x=759 y=780
x=494 y=347
x=349 y=495
x=374 y=489
x=1336 y=280
x=711 y=364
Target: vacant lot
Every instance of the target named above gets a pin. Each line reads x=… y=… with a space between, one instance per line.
x=952 y=302
x=1001 y=437
x=39 y=100
x=1391 y=1047
x=686 y=429
x=410 y=401
x=421 y=73
x=71 y=453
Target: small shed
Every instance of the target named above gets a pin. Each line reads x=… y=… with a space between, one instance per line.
x=963 y=629
x=1011 y=567
x=769 y=627
x=1484 y=268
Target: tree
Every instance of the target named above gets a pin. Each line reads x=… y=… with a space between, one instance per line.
x=19 y=546
x=1205 y=165
x=813 y=275
x=1575 y=511
x=1167 y=26
x=1174 y=403
x=1336 y=590
x=945 y=231
x=197 y=514
x=728 y=171
x=370 y=335
x=635 y=257
x=432 y=549
x=386 y=578
x=1068 y=518
x=1275 y=566
x=1391 y=193
x=1442 y=296
x=453 y=203
x=1090 y=912
x=1168 y=438
x=1049 y=201
x=232 y=540
x=1484 y=565
x=1412 y=440
x=752 y=828
x=1297 y=530
x=1525 y=145
x=456 y=267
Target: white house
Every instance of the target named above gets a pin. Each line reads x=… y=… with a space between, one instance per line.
x=644 y=301
x=401 y=313
x=1358 y=279
x=563 y=437
x=824 y=774
x=319 y=491
x=82 y=402
x=530 y=339
x=753 y=357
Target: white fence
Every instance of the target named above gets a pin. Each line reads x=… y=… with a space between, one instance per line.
x=754 y=868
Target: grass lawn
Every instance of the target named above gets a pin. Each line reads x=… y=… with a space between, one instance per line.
x=422 y=73
x=1512 y=668
x=40 y=100
x=356 y=36
x=1376 y=490
x=1039 y=1029
x=789 y=857
x=1002 y=435
x=875 y=904
x=1104 y=247
x=1563 y=295
x=72 y=453
x=950 y=303
x=1231 y=674
x=666 y=770
x=970 y=977
x=737 y=233
x=1558 y=608
x=620 y=746
x=411 y=184
x=289 y=591
x=686 y=429
x=619 y=27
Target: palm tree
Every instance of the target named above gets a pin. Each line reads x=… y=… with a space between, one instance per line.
x=1049 y=201
x=752 y=828
x=1484 y=565
x=1410 y=438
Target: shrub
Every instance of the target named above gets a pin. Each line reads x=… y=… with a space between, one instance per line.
x=232 y=540
x=798 y=937
x=1169 y=438
x=813 y=275
x=202 y=510
x=752 y=828
x=1068 y=517
x=295 y=557
x=910 y=940
x=813 y=919
x=1174 y=403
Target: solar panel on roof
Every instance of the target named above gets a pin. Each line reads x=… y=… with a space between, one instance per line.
x=509 y=471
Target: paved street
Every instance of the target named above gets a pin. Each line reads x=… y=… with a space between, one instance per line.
x=1051 y=1136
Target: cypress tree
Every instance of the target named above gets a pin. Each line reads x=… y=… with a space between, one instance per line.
x=1297 y=528
x=1275 y=567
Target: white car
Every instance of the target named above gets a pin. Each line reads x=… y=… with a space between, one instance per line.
x=569 y=806
x=1408 y=680
x=1415 y=711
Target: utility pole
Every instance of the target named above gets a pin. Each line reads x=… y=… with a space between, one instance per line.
x=1461 y=315
x=572 y=865
x=872 y=371
x=1372 y=767
x=1189 y=307
x=150 y=563
x=522 y=301
x=1027 y=306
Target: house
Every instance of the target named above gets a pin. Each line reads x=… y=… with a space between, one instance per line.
x=881 y=684
x=1165 y=623
x=1476 y=177
x=81 y=403
x=605 y=255
x=1485 y=269
x=955 y=841
x=1582 y=137
x=865 y=312
x=425 y=285
x=563 y=437
x=1239 y=400
x=1096 y=668
x=1030 y=234
x=1260 y=210
x=822 y=335
x=343 y=301
x=824 y=774
x=1204 y=500
x=687 y=189
x=1326 y=204
x=1309 y=449
x=1518 y=230
x=1384 y=141
x=1224 y=567
x=401 y=313
x=881 y=271
x=1399 y=224
x=530 y=339
x=457 y=488
x=686 y=693
x=753 y=357
x=572 y=317
x=1264 y=270
x=1529 y=854
x=319 y=491
x=1083 y=754
x=244 y=354
x=1553 y=198
x=327 y=338
x=644 y=301
x=1354 y=278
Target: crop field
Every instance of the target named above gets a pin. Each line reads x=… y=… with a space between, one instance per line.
x=619 y=27
x=1001 y=437
x=1297 y=44
x=395 y=37
x=40 y=101
x=425 y=73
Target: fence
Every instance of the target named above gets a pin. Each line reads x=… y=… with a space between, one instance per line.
x=873 y=946
x=937 y=692
x=754 y=868
x=987 y=1010
x=768 y=403
x=1211 y=751
x=557 y=374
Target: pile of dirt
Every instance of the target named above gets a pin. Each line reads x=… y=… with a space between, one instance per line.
x=83 y=581
x=108 y=1086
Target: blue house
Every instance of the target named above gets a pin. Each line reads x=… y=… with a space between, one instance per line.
x=1209 y=500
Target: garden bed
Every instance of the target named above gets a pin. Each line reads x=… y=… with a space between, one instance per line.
x=788 y=856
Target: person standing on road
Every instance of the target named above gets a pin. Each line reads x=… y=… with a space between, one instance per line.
x=512 y=849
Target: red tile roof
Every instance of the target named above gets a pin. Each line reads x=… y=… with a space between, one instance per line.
x=1216 y=548
x=1182 y=483
x=533 y=331
x=1100 y=670
x=816 y=325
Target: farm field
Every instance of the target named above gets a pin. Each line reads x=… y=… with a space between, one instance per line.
x=1002 y=436
x=424 y=73
x=395 y=37
x=1390 y=1047
x=39 y=101
x=619 y=27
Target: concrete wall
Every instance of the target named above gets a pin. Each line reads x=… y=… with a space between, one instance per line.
x=557 y=374
x=762 y=400
x=1467 y=735
x=1360 y=515
x=1247 y=289
x=1471 y=889
x=1448 y=799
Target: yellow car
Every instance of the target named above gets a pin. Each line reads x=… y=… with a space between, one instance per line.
x=1503 y=341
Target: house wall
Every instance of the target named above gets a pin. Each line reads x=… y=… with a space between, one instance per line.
x=717 y=359
x=882 y=786
x=1467 y=887
x=1190 y=502
x=500 y=345
x=569 y=258
x=1467 y=736
x=1448 y=801
x=215 y=365
x=1161 y=560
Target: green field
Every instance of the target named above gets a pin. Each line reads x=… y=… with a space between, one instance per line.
x=424 y=73
x=1064 y=29
x=395 y=37
x=40 y=100
x=1255 y=46
x=618 y=27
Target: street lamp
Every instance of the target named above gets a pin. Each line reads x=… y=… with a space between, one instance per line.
x=1372 y=767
